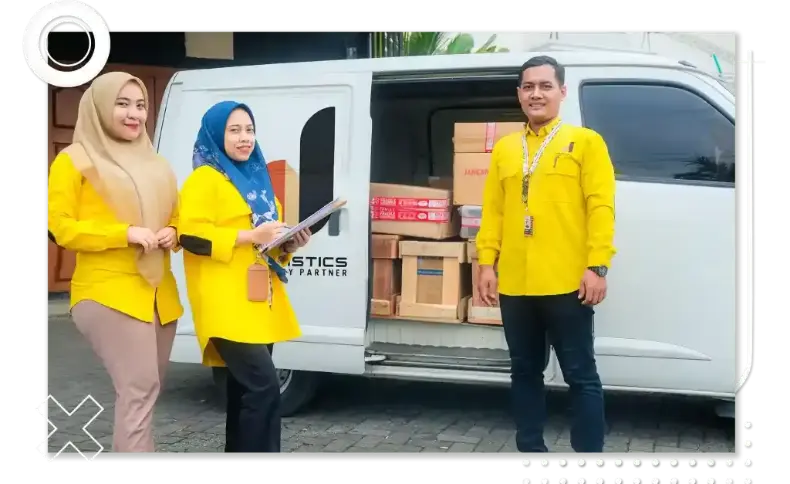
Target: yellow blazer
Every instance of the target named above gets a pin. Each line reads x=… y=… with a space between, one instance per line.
x=106 y=268
x=212 y=212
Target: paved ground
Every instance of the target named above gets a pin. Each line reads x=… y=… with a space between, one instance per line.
x=360 y=415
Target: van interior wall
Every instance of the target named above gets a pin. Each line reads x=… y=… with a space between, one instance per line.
x=413 y=124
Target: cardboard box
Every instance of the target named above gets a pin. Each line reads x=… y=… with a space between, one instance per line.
x=386 y=274
x=413 y=211
x=444 y=183
x=470 y=220
x=285 y=182
x=481 y=137
x=435 y=281
x=469 y=177
x=477 y=312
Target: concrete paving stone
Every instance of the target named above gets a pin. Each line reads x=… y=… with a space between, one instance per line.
x=434 y=449
x=487 y=445
x=384 y=447
x=478 y=431
x=615 y=447
x=339 y=445
x=461 y=447
x=360 y=415
x=424 y=443
x=310 y=448
x=560 y=449
x=397 y=438
x=369 y=441
x=370 y=431
x=641 y=445
x=509 y=448
x=451 y=437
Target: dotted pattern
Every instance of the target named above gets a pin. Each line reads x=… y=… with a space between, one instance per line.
x=605 y=470
x=660 y=469
x=747 y=434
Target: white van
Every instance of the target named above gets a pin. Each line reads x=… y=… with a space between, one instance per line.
x=668 y=323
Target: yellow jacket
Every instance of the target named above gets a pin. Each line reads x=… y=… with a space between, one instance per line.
x=212 y=209
x=571 y=199
x=106 y=269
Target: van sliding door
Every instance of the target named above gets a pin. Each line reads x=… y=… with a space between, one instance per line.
x=313 y=125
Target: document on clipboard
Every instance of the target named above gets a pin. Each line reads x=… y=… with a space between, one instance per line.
x=319 y=215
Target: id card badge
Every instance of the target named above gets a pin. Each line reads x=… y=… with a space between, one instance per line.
x=529 y=225
x=258 y=283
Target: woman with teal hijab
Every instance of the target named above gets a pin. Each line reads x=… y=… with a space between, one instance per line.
x=237 y=292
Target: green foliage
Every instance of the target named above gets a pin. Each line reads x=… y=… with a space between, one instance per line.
x=440 y=43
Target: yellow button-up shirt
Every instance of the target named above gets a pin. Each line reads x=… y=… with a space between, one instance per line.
x=571 y=200
x=106 y=266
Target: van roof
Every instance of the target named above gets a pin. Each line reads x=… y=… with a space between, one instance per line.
x=516 y=59
x=439 y=63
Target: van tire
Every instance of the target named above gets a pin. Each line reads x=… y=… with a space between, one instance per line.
x=297 y=389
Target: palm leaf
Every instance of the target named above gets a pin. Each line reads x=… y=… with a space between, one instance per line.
x=439 y=43
x=460 y=44
x=423 y=43
x=487 y=45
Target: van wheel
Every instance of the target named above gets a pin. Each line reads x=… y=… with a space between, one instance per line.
x=297 y=388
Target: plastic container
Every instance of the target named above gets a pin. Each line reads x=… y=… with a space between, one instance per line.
x=470 y=220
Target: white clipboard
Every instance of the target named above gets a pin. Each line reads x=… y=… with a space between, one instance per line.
x=319 y=215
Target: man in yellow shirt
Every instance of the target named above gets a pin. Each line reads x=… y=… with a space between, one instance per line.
x=548 y=228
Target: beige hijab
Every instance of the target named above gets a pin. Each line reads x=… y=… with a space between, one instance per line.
x=137 y=183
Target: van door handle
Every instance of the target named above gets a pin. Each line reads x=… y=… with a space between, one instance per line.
x=334 y=223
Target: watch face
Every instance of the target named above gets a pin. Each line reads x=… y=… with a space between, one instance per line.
x=600 y=270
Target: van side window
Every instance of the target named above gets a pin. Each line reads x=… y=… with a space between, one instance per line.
x=660 y=132
x=317 y=164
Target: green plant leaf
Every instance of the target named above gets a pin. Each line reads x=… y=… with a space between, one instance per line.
x=423 y=43
x=460 y=44
x=487 y=45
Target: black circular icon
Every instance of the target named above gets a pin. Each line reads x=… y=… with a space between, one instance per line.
x=67 y=44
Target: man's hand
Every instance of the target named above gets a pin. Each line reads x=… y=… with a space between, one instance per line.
x=592 y=289
x=487 y=285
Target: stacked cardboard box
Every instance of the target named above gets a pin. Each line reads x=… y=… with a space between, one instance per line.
x=386 y=274
x=473 y=144
x=402 y=288
x=436 y=283
x=421 y=271
x=478 y=312
x=412 y=211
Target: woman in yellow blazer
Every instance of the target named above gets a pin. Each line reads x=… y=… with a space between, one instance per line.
x=113 y=201
x=237 y=293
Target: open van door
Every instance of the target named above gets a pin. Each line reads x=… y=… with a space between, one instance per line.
x=313 y=124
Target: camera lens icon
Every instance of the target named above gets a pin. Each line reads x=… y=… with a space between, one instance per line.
x=45 y=21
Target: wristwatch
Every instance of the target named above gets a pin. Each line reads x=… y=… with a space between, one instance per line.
x=599 y=270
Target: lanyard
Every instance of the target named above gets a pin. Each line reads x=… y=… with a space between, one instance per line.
x=529 y=170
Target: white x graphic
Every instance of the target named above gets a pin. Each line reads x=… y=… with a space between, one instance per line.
x=43 y=411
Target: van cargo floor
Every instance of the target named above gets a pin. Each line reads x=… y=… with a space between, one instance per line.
x=479 y=359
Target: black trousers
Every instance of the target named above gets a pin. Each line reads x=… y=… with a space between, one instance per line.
x=253 y=397
x=568 y=324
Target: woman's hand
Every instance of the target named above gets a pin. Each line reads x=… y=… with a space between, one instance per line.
x=166 y=238
x=266 y=232
x=144 y=237
x=299 y=240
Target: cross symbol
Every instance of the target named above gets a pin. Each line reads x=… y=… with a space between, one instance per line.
x=38 y=445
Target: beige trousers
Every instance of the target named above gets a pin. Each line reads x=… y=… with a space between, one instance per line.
x=135 y=354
